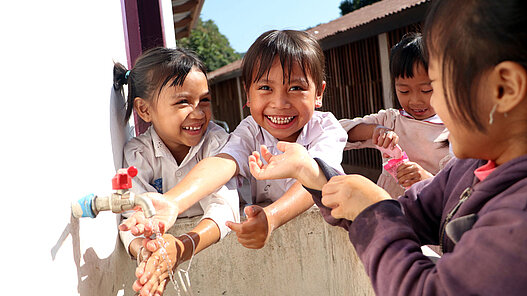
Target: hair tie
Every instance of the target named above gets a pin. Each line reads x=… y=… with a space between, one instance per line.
x=127 y=74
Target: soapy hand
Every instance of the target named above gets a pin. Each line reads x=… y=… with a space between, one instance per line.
x=166 y=215
x=349 y=195
x=384 y=137
x=409 y=173
x=254 y=232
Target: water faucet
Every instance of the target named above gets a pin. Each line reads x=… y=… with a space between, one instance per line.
x=121 y=200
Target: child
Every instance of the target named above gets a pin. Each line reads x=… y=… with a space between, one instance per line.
x=283 y=72
x=476 y=206
x=168 y=88
x=415 y=127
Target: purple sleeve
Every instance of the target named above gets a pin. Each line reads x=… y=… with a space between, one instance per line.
x=488 y=260
x=329 y=172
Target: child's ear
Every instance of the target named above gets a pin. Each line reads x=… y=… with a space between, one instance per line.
x=510 y=85
x=143 y=109
x=248 y=103
x=320 y=94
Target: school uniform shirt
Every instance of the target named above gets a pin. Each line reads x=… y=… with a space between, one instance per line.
x=322 y=136
x=158 y=171
x=418 y=138
x=481 y=224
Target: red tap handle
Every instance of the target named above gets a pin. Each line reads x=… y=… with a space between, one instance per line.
x=123 y=178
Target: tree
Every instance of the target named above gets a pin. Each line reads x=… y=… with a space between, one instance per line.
x=212 y=47
x=347 y=6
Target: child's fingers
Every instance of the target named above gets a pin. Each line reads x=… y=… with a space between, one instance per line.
x=236 y=227
x=265 y=153
x=127 y=224
x=161 y=288
x=137 y=286
x=329 y=201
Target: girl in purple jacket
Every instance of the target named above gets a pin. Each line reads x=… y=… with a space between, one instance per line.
x=476 y=207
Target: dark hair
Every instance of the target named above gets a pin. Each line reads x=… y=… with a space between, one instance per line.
x=153 y=70
x=291 y=47
x=470 y=37
x=404 y=56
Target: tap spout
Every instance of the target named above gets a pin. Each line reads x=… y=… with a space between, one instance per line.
x=146 y=204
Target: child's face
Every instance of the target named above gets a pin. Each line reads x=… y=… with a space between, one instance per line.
x=283 y=106
x=464 y=140
x=182 y=113
x=414 y=93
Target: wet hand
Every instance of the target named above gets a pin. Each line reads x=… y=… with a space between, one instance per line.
x=254 y=232
x=349 y=195
x=409 y=173
x=153 y=274
x=384 y=137
x=295 y=162
x=166 y=215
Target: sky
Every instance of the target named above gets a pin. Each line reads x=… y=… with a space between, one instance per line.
x=242 y=21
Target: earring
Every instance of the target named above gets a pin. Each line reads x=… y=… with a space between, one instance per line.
x=491 y=114
x=318 y=104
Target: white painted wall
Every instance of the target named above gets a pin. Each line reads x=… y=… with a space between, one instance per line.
x=55 y=77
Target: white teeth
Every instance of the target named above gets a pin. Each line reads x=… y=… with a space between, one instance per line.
x=192 y=128
x=280 y=120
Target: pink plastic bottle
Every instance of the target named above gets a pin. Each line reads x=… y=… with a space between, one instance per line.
x=397 y=157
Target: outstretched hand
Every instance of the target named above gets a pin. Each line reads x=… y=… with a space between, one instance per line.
x=254 y=232
x=295 y=162
x=166 y=215
x=349 y=195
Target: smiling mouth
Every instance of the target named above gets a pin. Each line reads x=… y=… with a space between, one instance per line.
x=192 y=128
x=419 y=110
x=280 y=119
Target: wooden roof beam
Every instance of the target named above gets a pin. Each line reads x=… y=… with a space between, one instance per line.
x=187 y=6
x=183 y=22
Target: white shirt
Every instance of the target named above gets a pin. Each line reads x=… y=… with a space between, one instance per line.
x=416 y=137
x=322 y=136
x=158 y=171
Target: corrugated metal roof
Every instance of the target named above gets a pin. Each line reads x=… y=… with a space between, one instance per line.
x=362 y=16
x=349 y=21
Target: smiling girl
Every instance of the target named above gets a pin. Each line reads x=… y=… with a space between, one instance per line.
x=168 y=88
x=415 y=127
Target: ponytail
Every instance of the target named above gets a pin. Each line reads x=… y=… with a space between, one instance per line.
x=120 y=78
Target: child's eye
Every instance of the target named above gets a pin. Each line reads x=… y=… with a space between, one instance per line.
x=427 y=91
x=264 y=87
x=293 y=88
x=204 y=100
x=182 y=102
x=403 y=91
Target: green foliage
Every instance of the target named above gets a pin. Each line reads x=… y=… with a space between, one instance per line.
x=347 y=6
x=212 y=47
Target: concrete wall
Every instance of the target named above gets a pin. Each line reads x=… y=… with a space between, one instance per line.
x=306 y=256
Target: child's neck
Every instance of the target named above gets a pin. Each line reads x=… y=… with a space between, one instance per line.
x=179 y=153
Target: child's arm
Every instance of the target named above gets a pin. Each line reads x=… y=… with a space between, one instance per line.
x=152 y=275
x=256 y=230
x=380 y=135
x=346 y=195
x=206 y=177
